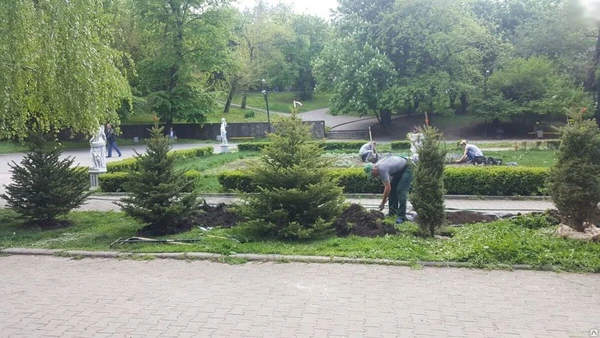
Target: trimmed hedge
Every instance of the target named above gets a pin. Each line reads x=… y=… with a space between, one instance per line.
x=348 y=145
x=131 y=163
x=400 y=145
x=113 y=182
x=498 y=181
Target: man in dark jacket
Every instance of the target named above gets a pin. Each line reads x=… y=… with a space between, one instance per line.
x=111 y=138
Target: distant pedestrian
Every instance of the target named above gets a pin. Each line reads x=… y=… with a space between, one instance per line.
x=172 y=134
x=368 y=152
x=111 y=138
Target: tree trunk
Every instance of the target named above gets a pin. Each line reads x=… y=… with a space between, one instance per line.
x=229 y=99
x=386 y=118
x=591 y=78
x=244 y=101
x=464 y=103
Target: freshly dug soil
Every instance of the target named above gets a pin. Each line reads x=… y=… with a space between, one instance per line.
x=218 y=216
x=468 y=217
x=358 y=221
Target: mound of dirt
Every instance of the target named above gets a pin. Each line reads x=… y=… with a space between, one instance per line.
x=218 y=216
x=358 y=221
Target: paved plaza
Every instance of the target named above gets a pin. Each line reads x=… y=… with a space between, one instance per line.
x=60 y=297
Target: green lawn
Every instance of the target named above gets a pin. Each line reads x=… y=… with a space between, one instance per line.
x=482 y=245
x=282 y=101
x=278 y=102
x=525 y=158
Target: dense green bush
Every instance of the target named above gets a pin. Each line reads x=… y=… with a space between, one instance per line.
x=427 y=193
x=160 y=196
x=401 y=145
x=328 y=146
x=537 y=220
x=115 y=181
x=575 y=177
x=131 y=163
x=499 y=181
x=253 y=146
x=44 y=186
x=121 y=166
x=503 y=181
x=295 y=197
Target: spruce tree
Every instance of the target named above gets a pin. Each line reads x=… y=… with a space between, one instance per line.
x=296 y=197
x=427 y=195
x=160 y=196
x=44 y=186
x=575 y=177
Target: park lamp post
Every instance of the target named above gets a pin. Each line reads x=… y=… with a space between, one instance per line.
x=485 y=77
x=264 y=91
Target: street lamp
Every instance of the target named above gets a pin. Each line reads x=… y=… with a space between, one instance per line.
x=487 y=74
x=264 y=91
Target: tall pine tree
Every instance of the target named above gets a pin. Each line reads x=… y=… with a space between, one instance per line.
x=296 y=197
x=160 y=196
x=427 y=195
x=575 y=177
x=44 y=186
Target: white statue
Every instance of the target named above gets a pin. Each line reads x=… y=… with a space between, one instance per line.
x=98 y=150
x=416 y=142
x=223 y=131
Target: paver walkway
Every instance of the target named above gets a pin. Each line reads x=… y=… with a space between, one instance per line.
x=106 y=203
x=59 y=297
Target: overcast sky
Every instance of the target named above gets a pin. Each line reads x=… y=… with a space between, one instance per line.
x=314 y=7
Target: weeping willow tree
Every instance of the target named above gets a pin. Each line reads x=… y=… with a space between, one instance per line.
x=57 y=69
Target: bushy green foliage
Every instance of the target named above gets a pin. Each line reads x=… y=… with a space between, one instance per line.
x=295 y=197
x=496 y=181
x=529 y=87
x=113 y=181
x=117 y=181
x=157 y=190
x=500 y=181
x=400 y=145
x=44 y=186
x=427 y=194
x=536 y=220
x=132 y=163
x=575 y=178
x=328 y=146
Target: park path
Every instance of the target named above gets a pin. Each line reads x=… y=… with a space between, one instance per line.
x=44 y=296
x=82 y=156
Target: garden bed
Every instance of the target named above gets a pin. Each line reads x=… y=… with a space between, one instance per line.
x=492 y=244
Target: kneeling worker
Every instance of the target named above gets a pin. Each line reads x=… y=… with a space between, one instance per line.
x=471 y=152
x=396 y=175
x=368 y=153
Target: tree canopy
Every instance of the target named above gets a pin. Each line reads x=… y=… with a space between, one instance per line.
x=57 y=67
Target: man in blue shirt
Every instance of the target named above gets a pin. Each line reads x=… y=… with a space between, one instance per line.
x=396 y=175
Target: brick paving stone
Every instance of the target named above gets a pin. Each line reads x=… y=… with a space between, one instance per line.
x=50 y=296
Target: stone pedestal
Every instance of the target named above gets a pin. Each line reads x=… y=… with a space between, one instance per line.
x=94 y=173
x=224 y=148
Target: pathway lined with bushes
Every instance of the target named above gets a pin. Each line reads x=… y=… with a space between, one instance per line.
x=160 y=298
x=497 y=206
